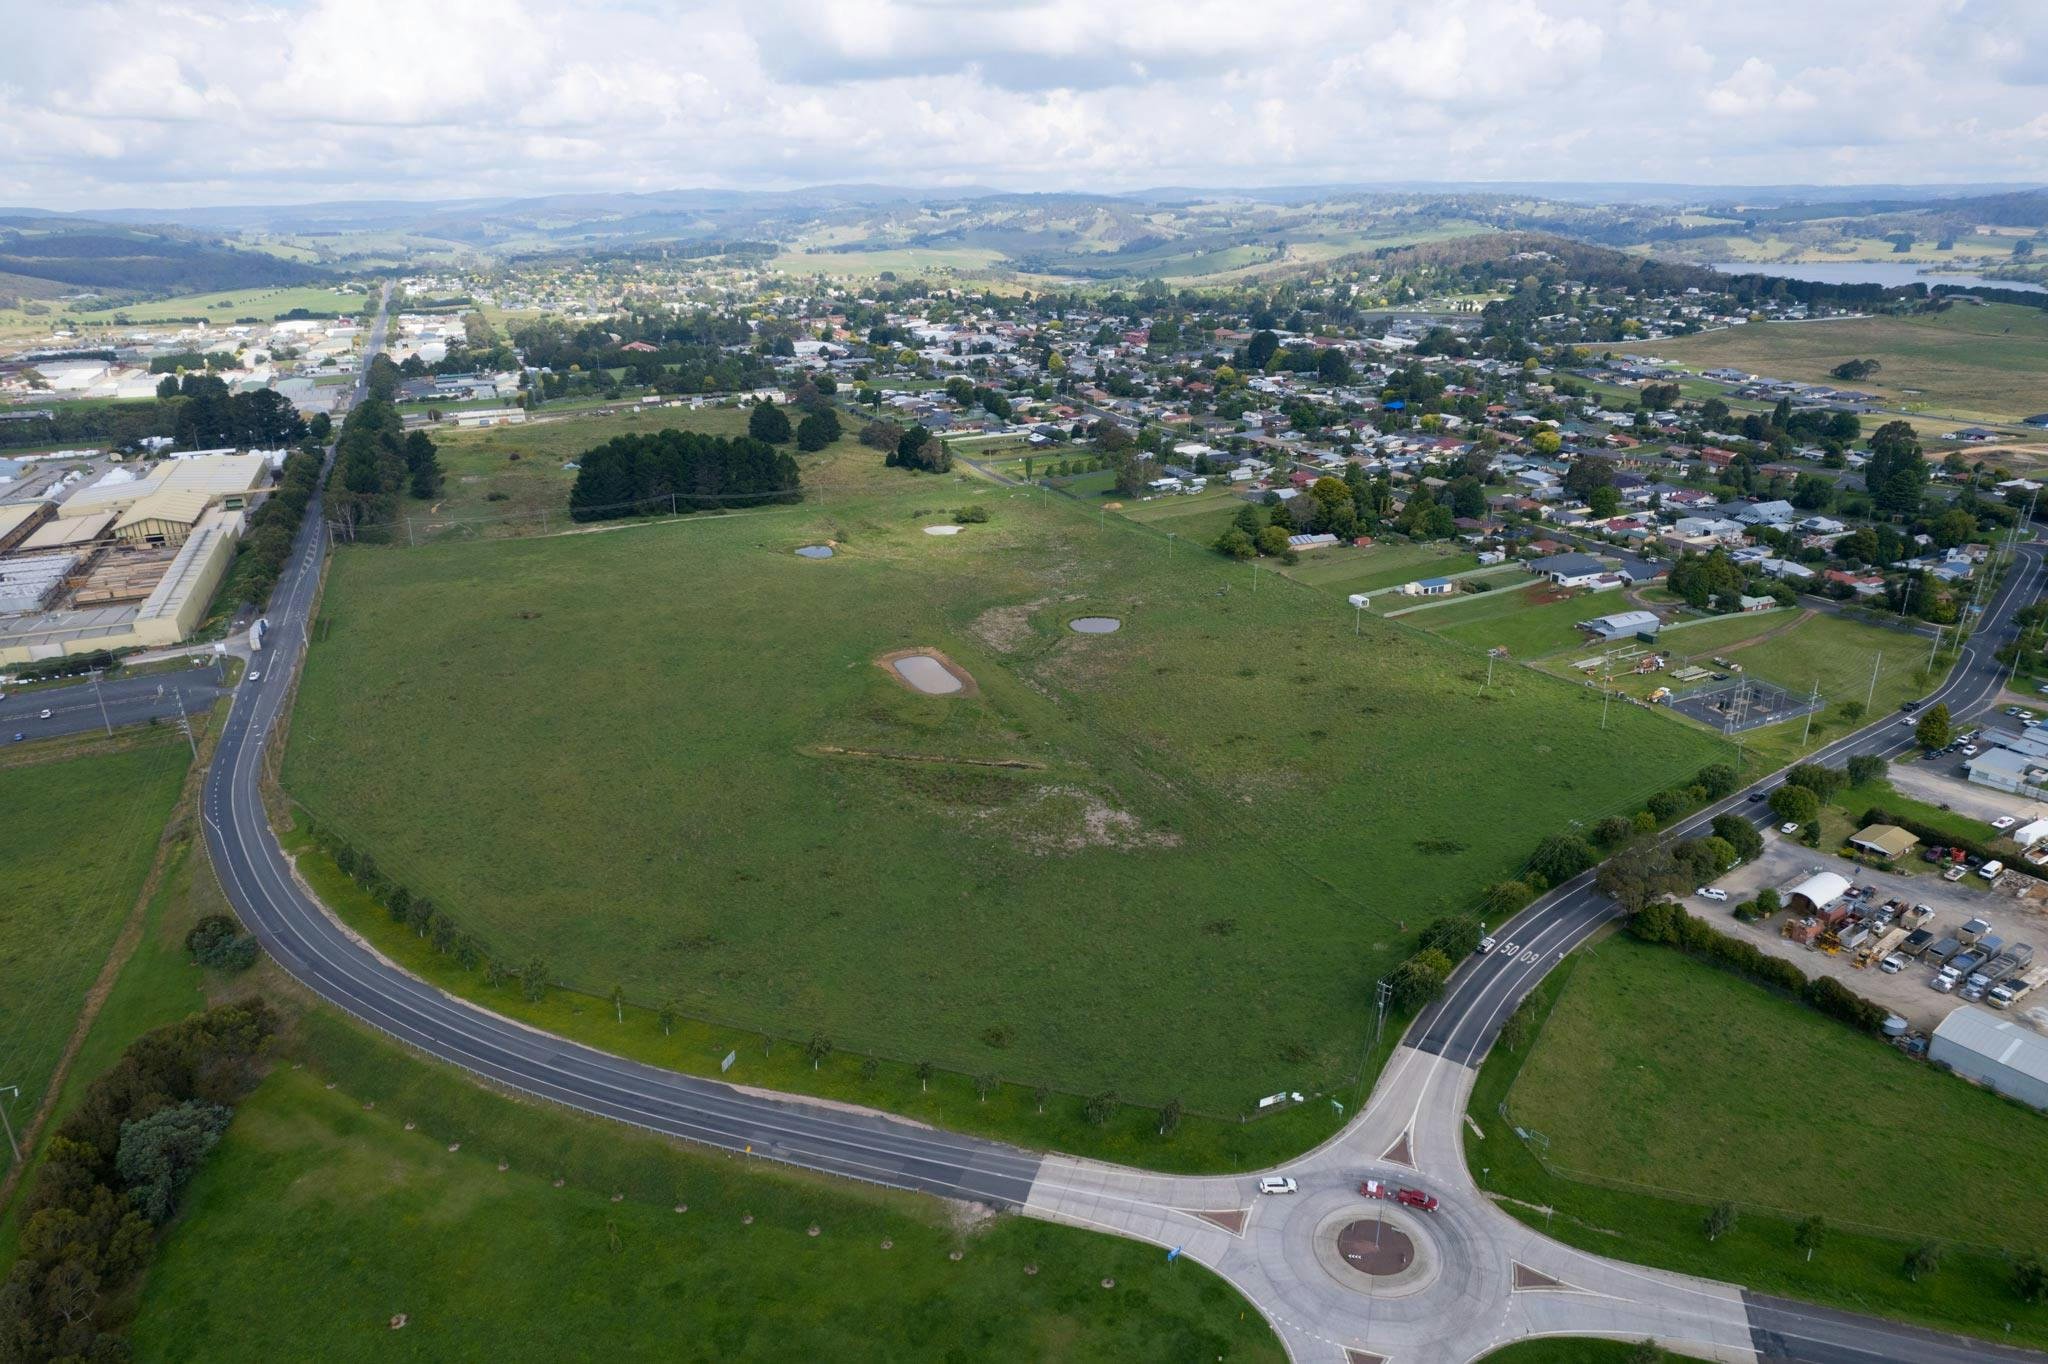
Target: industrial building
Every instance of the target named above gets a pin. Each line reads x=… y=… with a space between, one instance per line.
x=131 y=561
x=1884 y=840
x=1995 y=1052
x=1816 y=893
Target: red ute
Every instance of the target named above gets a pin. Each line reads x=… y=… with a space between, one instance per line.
x=1415 y=1198
x=1376 y=1188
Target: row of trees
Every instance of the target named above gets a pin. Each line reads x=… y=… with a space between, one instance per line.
x=264 y=550
x=376 y=461
x=111 y=1178
x=680 y=471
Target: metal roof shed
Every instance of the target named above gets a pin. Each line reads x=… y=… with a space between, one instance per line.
x=1995 y=1052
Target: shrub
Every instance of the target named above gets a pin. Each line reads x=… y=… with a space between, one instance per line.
x=971 y=515
x=218 y=941
x=1560 y=857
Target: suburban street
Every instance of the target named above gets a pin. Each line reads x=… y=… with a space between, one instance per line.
x=82 y=708
x=1477 y=1278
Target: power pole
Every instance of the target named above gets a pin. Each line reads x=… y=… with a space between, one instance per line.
x=1812 y=704
x=1871 y=699
x=1383 y=993
x=185 y=724
x=7 y=1124
x=103 y=705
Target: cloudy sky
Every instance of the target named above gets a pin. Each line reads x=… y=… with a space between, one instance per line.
x=172 y=103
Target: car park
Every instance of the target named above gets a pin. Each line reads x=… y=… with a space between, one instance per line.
x=1712 y=893
x=1277 y=1184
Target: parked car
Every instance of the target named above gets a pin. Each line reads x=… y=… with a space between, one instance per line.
x=1892 y=965
x=1790 y=826
x=1714 y=893
x=1277 y=1184
x=1416 y=1198
x=1969 y=750
x=1954 y=874
x=2004 y=822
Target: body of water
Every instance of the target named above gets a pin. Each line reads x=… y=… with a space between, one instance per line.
x=1885 y=272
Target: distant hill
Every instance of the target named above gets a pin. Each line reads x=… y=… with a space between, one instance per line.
x=81 y=253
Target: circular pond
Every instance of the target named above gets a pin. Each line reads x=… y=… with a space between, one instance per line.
x=943 y=530
x=1095 y=625
x=814 y=552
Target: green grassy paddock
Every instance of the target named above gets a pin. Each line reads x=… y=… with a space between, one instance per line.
x=318 y=1199
x=619 y=754
x=1658 y=1070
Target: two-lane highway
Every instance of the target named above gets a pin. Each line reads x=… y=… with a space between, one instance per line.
x=85 y=708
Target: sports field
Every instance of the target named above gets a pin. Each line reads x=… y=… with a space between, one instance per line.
x=665 y=757
x=1984 y=363
x=1512 y=617
x=1668 y=1073
x=77 y=837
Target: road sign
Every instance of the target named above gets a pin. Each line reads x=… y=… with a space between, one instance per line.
x=726 y=1064
x=1173 y=1255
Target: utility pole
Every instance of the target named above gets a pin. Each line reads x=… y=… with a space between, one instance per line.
x=1812 y=704
x=1871 y=699
x=1935 y=647
x=1606 y=693
x=103 y=705
x=185 y=724
x=1383 y=992
x=7 y=1124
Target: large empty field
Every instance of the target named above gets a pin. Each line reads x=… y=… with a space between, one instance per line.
x=665 y=757
x=1670 y=1074
x=351 y=1215
x=1988 y=363
x=77 y=838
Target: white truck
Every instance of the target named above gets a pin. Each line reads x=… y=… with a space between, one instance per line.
x=2011 y=992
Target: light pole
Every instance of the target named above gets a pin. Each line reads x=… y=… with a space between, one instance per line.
x=1871 y=699
x=103 y=705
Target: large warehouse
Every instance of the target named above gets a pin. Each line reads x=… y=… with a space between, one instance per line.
x=1995 y=1052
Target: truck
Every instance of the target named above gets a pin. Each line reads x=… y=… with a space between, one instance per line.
x=1963 y=963
x=1919 y=916
x=2011 y=992
x=1998 y=969
x=1881 y=947
x=1939 y=954
x=1917 y=942
x=257 y=632
x=1968 y=934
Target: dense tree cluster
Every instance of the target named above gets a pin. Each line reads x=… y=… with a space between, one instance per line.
x=111 y=1176
x=377 y=460
x=264 y=550
x=680 y=471
x=919 y=449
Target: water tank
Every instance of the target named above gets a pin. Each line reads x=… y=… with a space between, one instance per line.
x=1895 y=1026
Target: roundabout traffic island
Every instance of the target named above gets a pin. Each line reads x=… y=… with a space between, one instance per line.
x=1385 y=1251
x=1375 y=1249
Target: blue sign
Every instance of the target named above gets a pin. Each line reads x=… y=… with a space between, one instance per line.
x=1173 y=1255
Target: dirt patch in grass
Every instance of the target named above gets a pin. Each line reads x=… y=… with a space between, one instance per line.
x=1006 y=629
x=1062 y=820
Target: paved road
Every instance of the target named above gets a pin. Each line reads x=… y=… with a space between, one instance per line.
x=128 y=700
x=1480 y=1278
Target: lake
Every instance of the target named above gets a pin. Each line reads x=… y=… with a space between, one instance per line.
x=1885 y=272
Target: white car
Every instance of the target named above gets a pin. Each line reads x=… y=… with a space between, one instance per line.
x=1276 y=1184
x=255 y=677
x=43 y=714
x=2004 y=822
x=1969 y=750
x=1789 y=827
x=1714 y=893
x=1485 y=946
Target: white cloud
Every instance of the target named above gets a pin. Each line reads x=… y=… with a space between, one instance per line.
x=174 y=102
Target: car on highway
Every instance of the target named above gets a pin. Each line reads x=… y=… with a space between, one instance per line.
x=1485 y=946
x=255 y=677
x=2004 y=822
x=19 y=736
x=1714 y=893
x=1277 y=1184
x=43 y=714
x=1790 y=826
x=1756 y=795
x=1416 y=1198
x=1909 y=706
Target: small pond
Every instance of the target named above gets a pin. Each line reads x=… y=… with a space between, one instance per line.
x=1095 y=625
x=943 y=530
x=814 y=552
x=927 y=674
